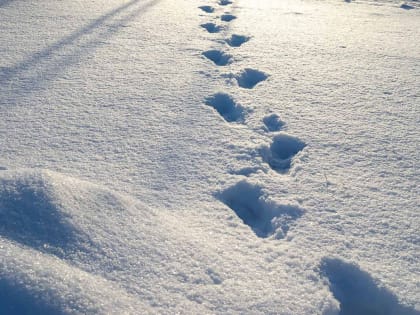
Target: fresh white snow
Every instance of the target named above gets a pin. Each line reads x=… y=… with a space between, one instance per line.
x=209 y=157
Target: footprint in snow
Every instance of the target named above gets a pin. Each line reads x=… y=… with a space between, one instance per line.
x=406 y=6
x=226 y=106
x=225 y=2
x=211 y=27
x=237 y=40
x=214 y=276
x=263 y=215
x=249 y=78
x=280 y=153
x=218 y=57
x=273 y=123
x=358 y=293
x=207 y=8
x=227 y=17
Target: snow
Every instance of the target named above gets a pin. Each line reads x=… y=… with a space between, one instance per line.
x=209 y=157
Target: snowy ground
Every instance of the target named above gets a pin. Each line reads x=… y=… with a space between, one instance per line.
x=209 y=157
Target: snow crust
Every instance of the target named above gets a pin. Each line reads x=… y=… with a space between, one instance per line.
x=209 y=157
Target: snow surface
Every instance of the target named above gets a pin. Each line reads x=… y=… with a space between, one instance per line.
x=209 y=157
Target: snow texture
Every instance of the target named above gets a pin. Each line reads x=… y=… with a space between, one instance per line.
x=210 y=157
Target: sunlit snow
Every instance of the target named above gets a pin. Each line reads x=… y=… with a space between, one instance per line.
x=209 y=157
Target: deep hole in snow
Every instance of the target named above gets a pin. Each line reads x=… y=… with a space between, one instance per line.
x=358 y=292
x=211 y=27
x=218 y=57
x=406 y=6
x=263 y=215
x=237 y=40
x=272 y=123
x=281 y=151
x=225 y=2
x=248 y=78
x=207 y=8
x=227 y=17
x=226 y=106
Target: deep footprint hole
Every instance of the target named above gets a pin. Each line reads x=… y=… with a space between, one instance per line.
x=207 y=8
x=406 y=6
x=281 y=152
x=211 y=27
x=237 y=40
x=226 y=106
x=218 y=57
x=249 y=78
x=273 y=123
x=227 y=17
x=225 y=2
x=264 y=216
x=357 y=291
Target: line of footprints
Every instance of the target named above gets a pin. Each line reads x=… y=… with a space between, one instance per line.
x=267 y=218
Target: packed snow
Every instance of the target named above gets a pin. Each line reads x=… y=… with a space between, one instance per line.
x=209 y=157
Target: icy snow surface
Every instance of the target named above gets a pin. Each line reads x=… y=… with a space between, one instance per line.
x=209 y=157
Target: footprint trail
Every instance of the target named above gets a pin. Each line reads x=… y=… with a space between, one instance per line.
x=266 y=218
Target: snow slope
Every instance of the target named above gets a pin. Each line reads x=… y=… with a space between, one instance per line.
x=209 y=157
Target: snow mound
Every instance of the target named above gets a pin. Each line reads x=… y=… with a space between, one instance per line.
x=35 y=283
x=357 y=291
x=257 y=210
x=47 y=225
x=30 y=214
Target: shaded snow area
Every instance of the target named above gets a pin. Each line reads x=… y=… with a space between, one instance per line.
x=209 y=157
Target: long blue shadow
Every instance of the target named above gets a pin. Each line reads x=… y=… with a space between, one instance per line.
x=358 y=293
x=41 y=67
